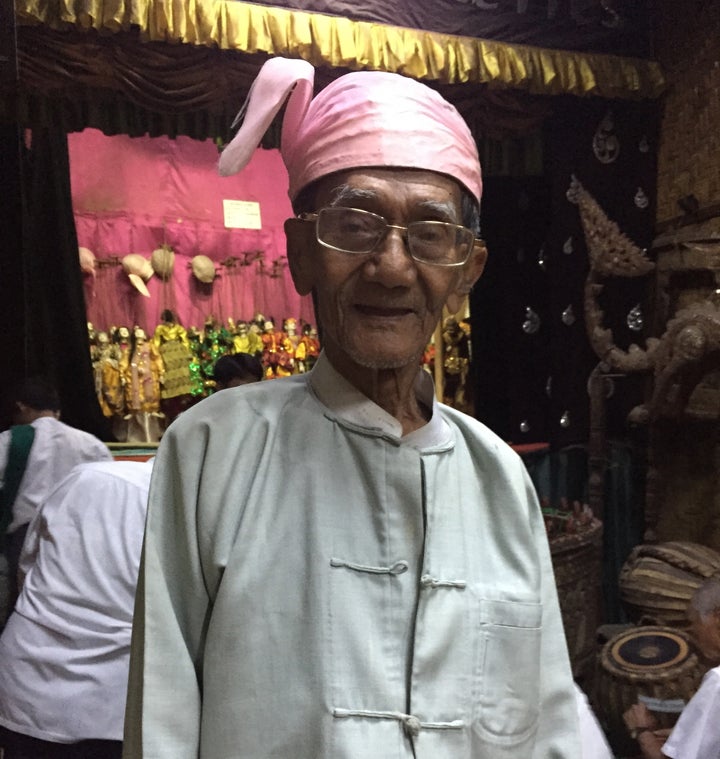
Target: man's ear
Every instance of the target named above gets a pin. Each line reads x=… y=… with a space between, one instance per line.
x=300 y=237
x=469 y=275
x=716 y=621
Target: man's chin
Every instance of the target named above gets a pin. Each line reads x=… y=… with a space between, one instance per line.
x=380 y=360
x=380 y=365
x=378 y=350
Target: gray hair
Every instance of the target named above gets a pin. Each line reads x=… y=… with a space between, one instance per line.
x=706 y=599
x=305 y=203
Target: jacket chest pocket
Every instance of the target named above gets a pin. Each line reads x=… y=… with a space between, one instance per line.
x=508 y=669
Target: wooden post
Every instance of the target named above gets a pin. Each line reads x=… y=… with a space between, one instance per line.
x=597 y=452
x=439 y=359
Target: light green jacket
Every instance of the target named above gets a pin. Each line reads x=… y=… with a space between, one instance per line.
x=315 y=587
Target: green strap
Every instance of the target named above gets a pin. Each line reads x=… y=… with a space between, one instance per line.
x=21 y=440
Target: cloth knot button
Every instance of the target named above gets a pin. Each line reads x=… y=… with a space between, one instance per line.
x=411 y=725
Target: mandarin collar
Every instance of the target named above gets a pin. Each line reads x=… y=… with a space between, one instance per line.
x=349 y=404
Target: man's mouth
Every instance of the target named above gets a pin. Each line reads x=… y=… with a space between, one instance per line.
x=386 y=312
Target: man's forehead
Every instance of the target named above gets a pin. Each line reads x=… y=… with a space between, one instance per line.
x=376 y=183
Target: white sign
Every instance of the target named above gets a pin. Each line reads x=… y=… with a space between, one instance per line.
x=242 y=214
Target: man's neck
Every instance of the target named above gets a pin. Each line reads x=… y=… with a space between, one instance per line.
x=28 y=416
x=391 y=389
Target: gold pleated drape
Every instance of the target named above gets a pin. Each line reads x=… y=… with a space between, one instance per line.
x=340 y=42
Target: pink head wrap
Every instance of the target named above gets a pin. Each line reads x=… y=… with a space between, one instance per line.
x=363 y=119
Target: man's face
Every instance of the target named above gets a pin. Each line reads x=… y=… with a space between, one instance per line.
x=378 y=310
x=706 y=633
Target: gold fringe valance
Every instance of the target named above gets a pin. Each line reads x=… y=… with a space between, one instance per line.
x=121 y=85
x=340 y=42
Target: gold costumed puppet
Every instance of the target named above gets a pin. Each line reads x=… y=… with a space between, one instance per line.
x=307 y=350
x=142 y=375
x=278 y=354
x=290 y=330
x=246 y=341
x=456 y=362
x=92 y=341
x=113 y=385
x=106 y=371
x=171 y=342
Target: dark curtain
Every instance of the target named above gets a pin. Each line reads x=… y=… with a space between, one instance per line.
x=530 y=348
x=511 y=362
x=121 y=85
x=56 y=339
x=611 y=148
x=12 y=281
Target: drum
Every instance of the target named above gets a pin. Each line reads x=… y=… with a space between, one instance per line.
x=653 y=665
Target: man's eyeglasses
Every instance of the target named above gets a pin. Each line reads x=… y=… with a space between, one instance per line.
x=352 y=230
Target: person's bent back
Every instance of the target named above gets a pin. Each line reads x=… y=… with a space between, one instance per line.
x=65 y=649
x=55 y=448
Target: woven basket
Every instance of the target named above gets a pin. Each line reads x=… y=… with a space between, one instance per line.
x=577 y=562
x=658 y=580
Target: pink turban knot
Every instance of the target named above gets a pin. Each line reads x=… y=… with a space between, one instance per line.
x=363 y=119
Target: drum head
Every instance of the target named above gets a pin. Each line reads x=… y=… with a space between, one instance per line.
x=648 y=649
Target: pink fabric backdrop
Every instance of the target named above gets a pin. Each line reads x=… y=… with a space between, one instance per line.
x=132 y=194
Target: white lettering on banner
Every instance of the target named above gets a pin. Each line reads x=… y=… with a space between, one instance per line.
x=481 y=4
x=242 y=214
x=577 y=7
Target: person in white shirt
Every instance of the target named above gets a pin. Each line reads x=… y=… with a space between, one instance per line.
x=56 y=448
x=64 y=653
x=336 y=566
x=592 y=737
x=696 y=734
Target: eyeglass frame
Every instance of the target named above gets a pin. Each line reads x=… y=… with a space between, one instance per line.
x=314 y=216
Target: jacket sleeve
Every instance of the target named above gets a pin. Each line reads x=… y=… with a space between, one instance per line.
x=164 y=706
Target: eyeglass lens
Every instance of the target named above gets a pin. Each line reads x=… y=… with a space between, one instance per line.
x=357 y=231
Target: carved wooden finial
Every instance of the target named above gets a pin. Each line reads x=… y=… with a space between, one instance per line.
x=612 y=253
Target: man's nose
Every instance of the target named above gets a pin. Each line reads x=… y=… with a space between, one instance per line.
x=391 y=258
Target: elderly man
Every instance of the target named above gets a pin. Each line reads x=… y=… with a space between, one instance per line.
x=697 y=733
x=336 y=566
